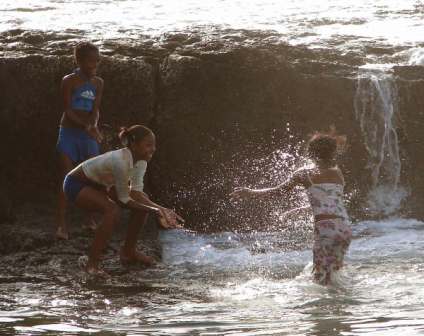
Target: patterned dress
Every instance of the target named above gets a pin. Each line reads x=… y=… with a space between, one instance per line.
x=331 y=236
x=331 y=240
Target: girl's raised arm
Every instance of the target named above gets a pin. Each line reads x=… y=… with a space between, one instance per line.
x=296 y=179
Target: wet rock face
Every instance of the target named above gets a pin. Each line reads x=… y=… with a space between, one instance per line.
x=31 y=109
x=411 y=106
x=216 y=104
x=225 y=108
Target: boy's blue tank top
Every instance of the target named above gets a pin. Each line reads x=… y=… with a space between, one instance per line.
x=83 y=96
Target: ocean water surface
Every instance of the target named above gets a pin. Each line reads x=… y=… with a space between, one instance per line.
x=256 y=283
x=223 y=284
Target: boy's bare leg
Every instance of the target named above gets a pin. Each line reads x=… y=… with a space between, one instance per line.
x=66 y=166
x=91 y=222
x=91 y=199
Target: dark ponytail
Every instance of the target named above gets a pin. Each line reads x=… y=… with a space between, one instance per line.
x=133 y=134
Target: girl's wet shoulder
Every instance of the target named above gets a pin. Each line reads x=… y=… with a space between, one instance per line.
x=70 y=77
x=301 y=174
x=304 y=172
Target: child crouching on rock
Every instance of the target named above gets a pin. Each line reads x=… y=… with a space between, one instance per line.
x=89 y=186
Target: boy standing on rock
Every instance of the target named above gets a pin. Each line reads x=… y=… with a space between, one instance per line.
x=79 y=136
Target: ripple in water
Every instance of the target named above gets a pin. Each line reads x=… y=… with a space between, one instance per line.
x=221 y=283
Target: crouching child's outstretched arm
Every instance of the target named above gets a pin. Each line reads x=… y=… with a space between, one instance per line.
x=168 y=218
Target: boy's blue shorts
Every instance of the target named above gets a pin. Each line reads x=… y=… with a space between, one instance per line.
x=76 y=144
x=72 y=187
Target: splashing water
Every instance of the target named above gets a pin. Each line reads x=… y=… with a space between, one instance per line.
x=222 y=284
x=259 y=163
x=376 y=108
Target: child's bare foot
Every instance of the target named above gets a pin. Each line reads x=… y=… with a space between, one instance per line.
x=96 y=271
x=137 y=257
x=62 y=233
x=91 y=224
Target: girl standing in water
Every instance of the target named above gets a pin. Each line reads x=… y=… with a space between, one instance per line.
x=112 y=181
x=79 y=135
x=324 y=185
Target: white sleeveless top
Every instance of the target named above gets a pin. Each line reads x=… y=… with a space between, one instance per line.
x=116 y=168
x=327 y=199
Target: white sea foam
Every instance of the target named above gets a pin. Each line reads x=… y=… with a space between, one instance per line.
x=416 y=56
x=302 y=22
x=394 y=238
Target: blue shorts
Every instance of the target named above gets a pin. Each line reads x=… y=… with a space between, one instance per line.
x=76 y=144
x=71 y=187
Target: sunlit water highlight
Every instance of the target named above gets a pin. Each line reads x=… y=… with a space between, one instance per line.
x=333 y=24
x=224 y=284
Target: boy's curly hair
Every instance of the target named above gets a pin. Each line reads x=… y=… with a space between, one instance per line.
x=83 y=49
x=326 y=146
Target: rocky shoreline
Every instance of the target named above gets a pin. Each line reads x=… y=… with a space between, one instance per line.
x=221 y=103
x=28 y=243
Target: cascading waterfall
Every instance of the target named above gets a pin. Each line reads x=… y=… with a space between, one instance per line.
x=376 y=107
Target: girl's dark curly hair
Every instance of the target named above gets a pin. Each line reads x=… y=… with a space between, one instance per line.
x=325 y=146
